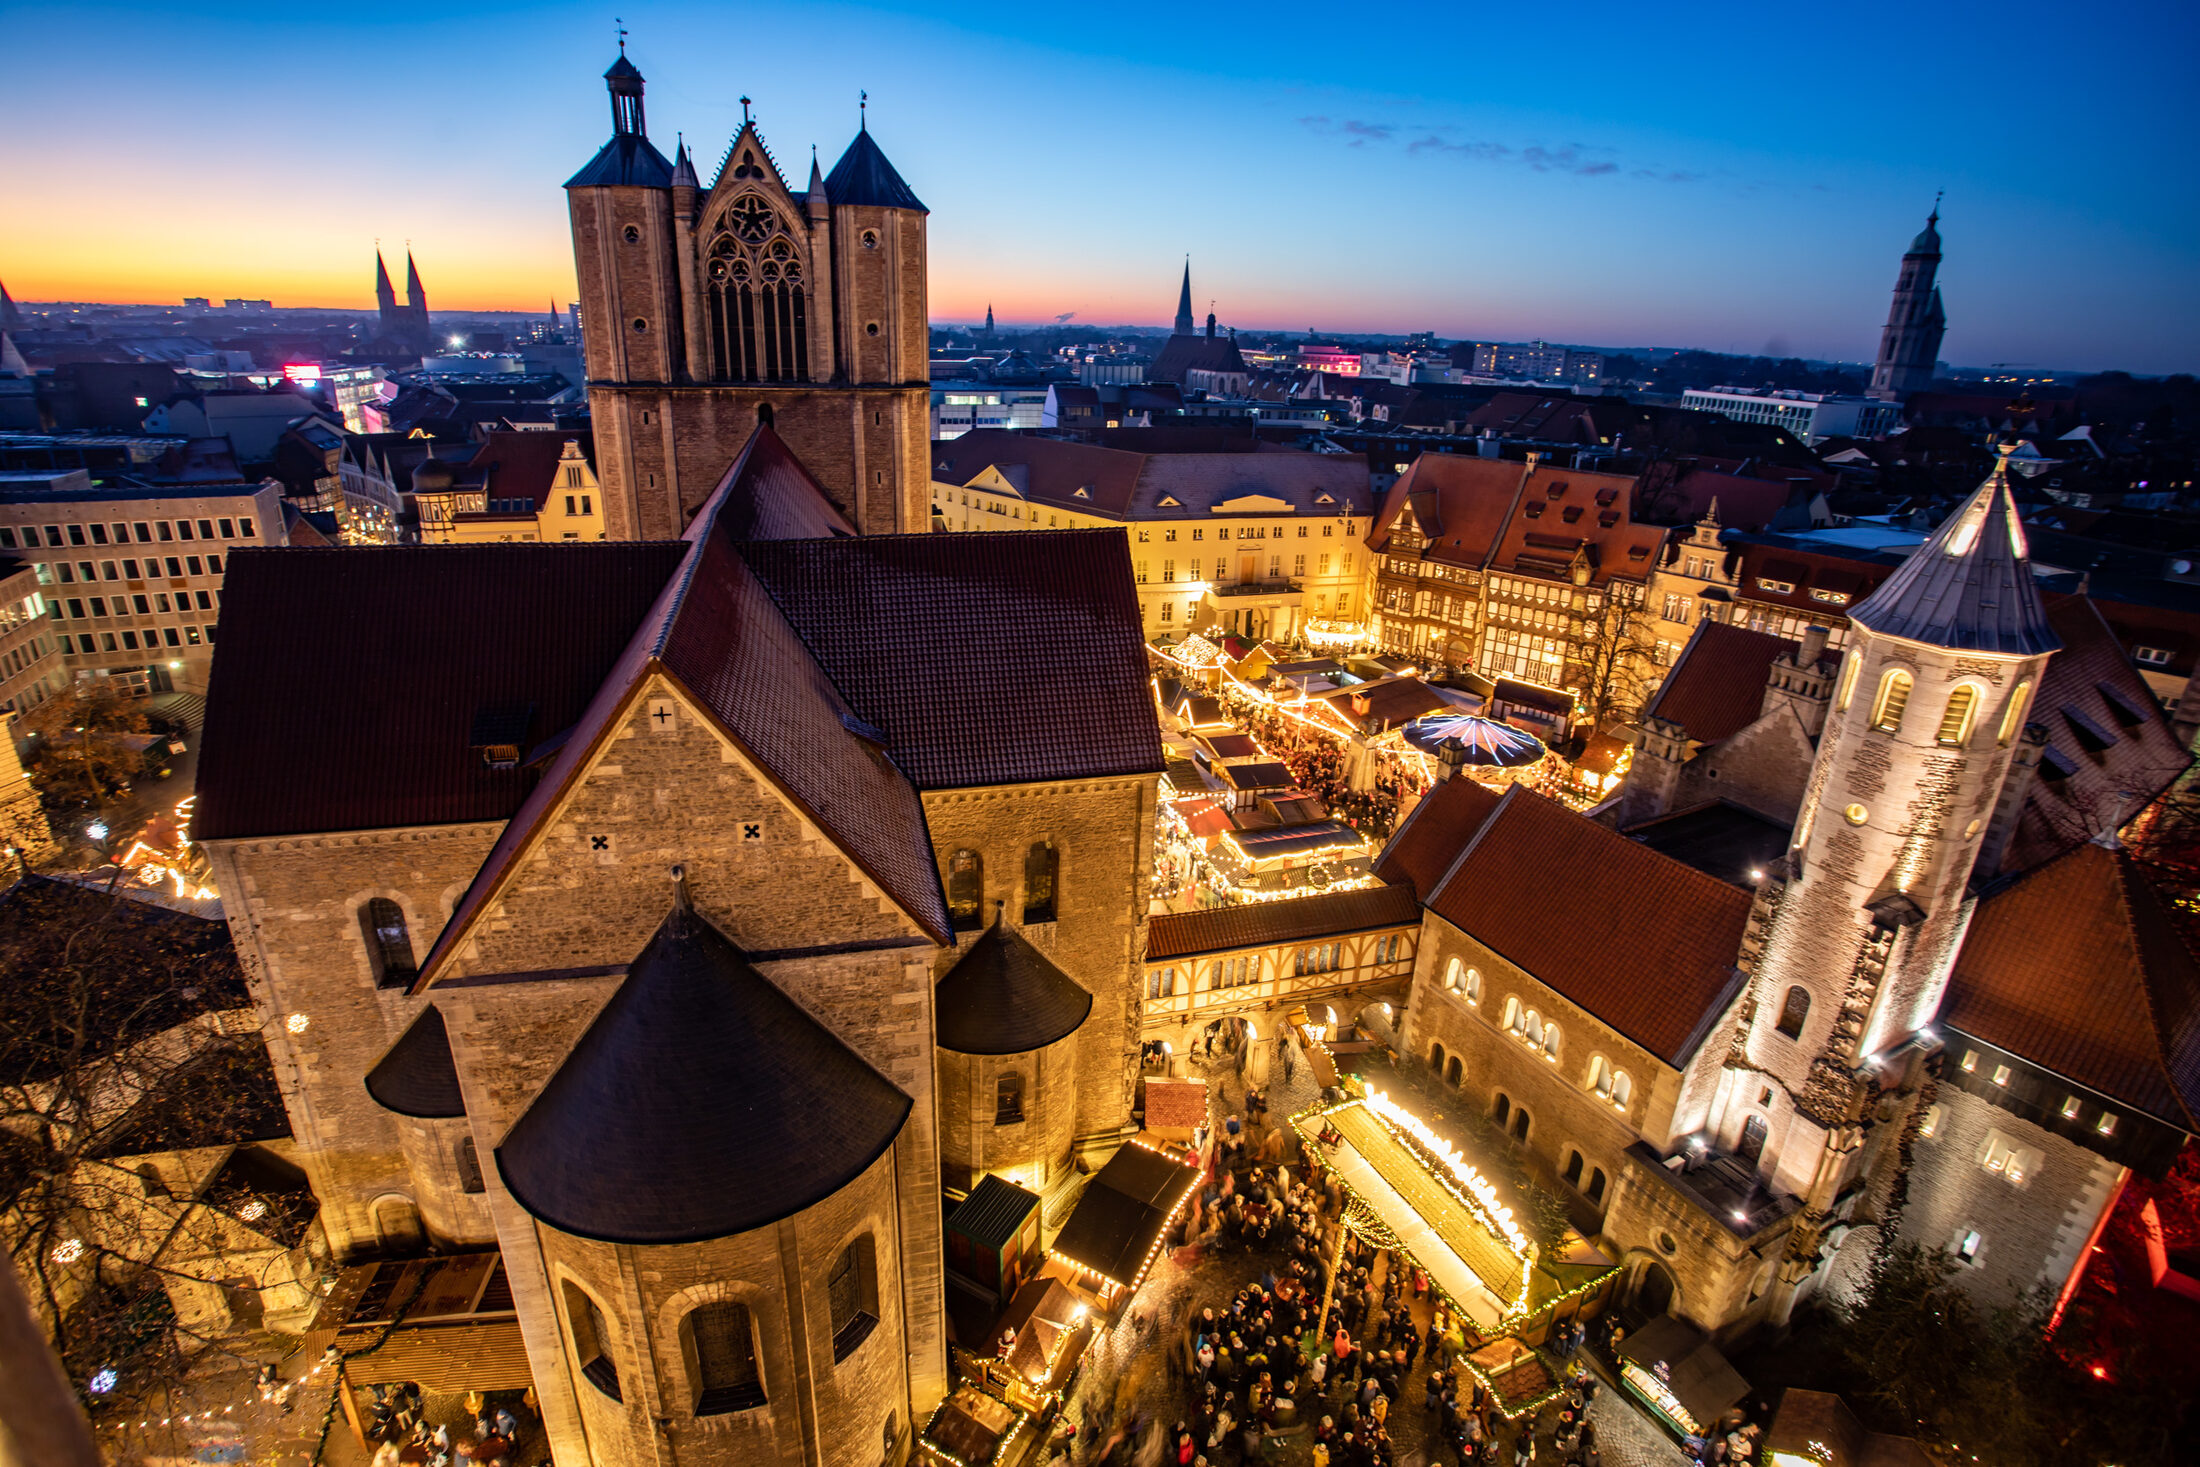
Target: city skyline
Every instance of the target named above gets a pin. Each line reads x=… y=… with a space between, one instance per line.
x=1069 y=174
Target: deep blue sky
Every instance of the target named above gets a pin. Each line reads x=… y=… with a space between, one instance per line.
x=1738 y=177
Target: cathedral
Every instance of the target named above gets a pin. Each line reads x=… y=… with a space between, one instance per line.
x=402 y=328
x=710 y=309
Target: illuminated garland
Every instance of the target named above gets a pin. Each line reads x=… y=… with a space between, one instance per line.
x=1484 y=1204
x=1000 y=1446
x=1527 y=1407
x=1168 y=1224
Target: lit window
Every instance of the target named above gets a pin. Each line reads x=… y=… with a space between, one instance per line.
x=2013 y=712
x=2001 y=1074
x=2145 y=656
x=1967 y=1247
x=1970 y=1061
x=1894 y=696
x=2106 y=1125
x=1955 y=720
x=1455 y=973
x=1474 y=985
x=1929 y=1122
x=2070 y=1107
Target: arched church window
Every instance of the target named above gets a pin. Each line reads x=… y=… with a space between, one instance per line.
x=1512 y=1014
x=591 y=1340
x=1040 y=864
x=1453 y=1072
x=2013 y=712
x=1600 y=1076
x=1955 y=719
x=1595 y=1190
x=1455 y=975
x=1623 y=1089
x=1573 y=1168
x=965 y=889
x=1894 y=696
x=852 y=1289
x=1794 y=1012
x=389 y=942
x=1531 y=1027
x=719 y=1341
x=1520 y=1123
x=1550 y=1041
x=1008 y=1100
x=1502 y=1111
x=1436 y=1058
x=1474 y=985
x=469 y=1167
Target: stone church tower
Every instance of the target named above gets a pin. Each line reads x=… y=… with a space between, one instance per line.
x=1863 y=925
x=708 y=310
x=1909 y=345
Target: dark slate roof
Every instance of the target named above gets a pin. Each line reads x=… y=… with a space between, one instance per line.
x=627 y=161
x=1718 y=838
x=987 y=659
x=1181 y=354
x=1123 y=1212
x=1004 y=996
x=1641 y=941
x=993 y=1212
x=302 y=732
x=863 y=176
x=1969 y=585
x=701 y=1102
x=1297 y=919
x=416 y=1077
x=2078 y=968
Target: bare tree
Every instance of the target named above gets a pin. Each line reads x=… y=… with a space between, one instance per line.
x=148 y=1230
x=89 y=743
x=1614 y=654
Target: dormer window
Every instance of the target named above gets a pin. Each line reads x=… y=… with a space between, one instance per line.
x=1082 y=491
x=499 y=733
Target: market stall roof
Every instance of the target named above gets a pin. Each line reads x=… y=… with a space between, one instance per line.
x=971 y=1426
x=1266 y=775
x=1817 y=1426
x=1051 y=1332
x=994 y=1211
x=1518 y=1376
x=1297 y=840
x=1205 y=818
x=1119 y=1221
x=416 y=1077
x=1696 y=1373
x=1463 y=1246
x=1484 y=742
x=1179 y=1105
x=1202 y=712
x=1229 y=745
x=697 y=1058
x=1004 y=996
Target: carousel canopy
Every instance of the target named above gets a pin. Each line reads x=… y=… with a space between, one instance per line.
x=1484 y=741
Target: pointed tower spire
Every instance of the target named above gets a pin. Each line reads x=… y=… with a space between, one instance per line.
x=385 y=294
x=415 y=295
x=1969 y=586
x=683 y=167
x=11 y=319
x=989 y=318
x=1184 y=301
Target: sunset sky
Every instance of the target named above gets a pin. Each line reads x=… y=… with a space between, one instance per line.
x=1741 y=178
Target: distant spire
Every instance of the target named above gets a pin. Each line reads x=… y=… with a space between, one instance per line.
x=385 y=294
x=683 y=166
x=415 y=296
x=1184 y=301
x=11 y=319
x=989 y=318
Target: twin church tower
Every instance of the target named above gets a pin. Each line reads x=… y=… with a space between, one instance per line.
x=707 y=310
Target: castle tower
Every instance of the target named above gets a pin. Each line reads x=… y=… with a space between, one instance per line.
x=743 y=302
x=1926 y=717
x=1909 y=345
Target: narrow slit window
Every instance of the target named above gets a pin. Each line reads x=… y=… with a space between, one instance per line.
x=1955 y=719
x=1894 y=697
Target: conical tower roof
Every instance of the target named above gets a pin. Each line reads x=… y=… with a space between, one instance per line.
x=700 y=1103
x=384 y=292
x=1969 y=586
x=683 y=168
x=863 y=176
x=1184 y=303
x=415 y=293
x=416 y=1076
x=1928 y=238
x=1004 y=996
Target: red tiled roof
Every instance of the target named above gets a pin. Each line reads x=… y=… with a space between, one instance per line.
x=1638 y=939
x=1260 y=924
x=1547 y=538
x=986 y=659
x=2077 y=968
x=770 y=496
x=1805 y=569
x=1460 y=505
x=308 y=730
x=1439 y=828
x=1175 y=1103
x=523 y=466
x=2144 y=757
x=1717 y=685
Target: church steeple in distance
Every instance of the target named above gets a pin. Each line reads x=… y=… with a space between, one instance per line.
x=1184 y=325
x=1909 y=345
x=385 y=294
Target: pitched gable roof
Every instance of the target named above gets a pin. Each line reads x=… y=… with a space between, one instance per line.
x=696 y=1059
x=767 y=494
x=986 y=659
x=1717 y=685
x=523 y=467
x=1445 y=822
x=457 y=627
x=1638 y=939
x=864 y=177
x=1297 y=919
x=2077 y=968
x=2110 y=752
x=715 y=632
x=1459 y=504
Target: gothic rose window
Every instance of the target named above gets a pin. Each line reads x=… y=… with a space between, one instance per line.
x=751 y=218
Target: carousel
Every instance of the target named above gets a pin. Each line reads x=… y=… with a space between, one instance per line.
x=1485 y=750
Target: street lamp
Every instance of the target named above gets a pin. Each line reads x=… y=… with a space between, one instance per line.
x=97 y=830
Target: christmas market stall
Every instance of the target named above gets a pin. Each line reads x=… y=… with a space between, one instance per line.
x=1122 y=1221
x=972 y=1428
x=1409 y=1191
x=1671 y=1367
x=1047 y=1329
x=1283 y=856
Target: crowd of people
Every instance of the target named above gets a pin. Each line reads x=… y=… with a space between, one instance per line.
x=1317 y=765
x=397 y=1420
x=1267 y=1362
